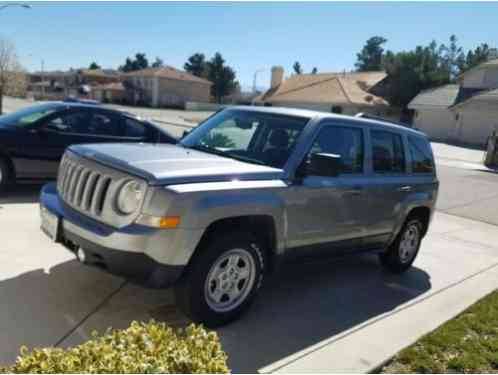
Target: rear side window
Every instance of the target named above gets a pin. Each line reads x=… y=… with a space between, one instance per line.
x=134 y=129
x=387 y=152
x=104 y=124
x=343 y=141
x=421 y=155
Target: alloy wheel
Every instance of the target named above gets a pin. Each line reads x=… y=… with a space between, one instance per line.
x=409 y=243
x=230 y=280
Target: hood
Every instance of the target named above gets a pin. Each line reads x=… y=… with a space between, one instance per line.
x=164 y=164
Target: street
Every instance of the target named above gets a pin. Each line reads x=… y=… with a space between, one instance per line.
x=340 y=316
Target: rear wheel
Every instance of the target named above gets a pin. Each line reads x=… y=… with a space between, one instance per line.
x=5 y=175
x=403 y=251
x=222 y=280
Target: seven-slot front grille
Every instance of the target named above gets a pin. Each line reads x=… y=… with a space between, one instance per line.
x=82 y=187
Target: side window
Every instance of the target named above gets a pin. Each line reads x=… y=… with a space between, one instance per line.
x=72 y=122
x=134 y=129
x=421 y=155
x=343 y=141
x=101 y=123
x=387 y=152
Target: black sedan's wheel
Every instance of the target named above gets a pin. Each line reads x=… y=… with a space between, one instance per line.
x=5 y=177
x=401 y=254
x=222 y=280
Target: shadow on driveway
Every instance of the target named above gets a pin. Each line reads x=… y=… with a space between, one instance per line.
x=21 y=193
x=304 y=305
x=314 y=302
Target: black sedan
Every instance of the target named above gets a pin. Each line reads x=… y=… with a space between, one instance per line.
x=33 y=139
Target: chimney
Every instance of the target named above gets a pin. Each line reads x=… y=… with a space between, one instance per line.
x=492 y=54
x=277 y=75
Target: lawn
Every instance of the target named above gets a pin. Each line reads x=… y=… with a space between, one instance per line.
x=465 y=344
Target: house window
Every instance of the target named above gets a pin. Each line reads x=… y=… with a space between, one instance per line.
x=336 y=109
x=457 y=116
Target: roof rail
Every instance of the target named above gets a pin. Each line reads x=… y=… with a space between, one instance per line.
x=379 y=118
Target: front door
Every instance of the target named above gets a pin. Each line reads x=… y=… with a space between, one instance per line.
x=329 y=212
x=44 y=145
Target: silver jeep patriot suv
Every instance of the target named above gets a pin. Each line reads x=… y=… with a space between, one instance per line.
x=248 y=187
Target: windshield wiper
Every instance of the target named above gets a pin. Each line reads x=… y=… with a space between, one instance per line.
x=215 y=151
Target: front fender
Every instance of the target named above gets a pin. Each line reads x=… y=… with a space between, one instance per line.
x=211 y=208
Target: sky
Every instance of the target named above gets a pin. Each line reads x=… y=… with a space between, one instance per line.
x=250 y=36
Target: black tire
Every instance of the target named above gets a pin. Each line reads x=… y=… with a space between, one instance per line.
x=5 y=175
x=191 y=292
x=392 y=259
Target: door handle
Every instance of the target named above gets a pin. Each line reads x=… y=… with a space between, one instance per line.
x=405 y=188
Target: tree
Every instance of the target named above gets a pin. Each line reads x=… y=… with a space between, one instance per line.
x=158 y=63
x=297 y=68
x=452 y=58
x=11 y=72
x=94 y=66
x=409 y=72
x=370 y=57
x=314 y=70
x=222 y=77
x=196 y=65
x=476 y=57
x=138 y=63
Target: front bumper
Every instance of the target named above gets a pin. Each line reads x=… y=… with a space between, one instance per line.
x=147 y=256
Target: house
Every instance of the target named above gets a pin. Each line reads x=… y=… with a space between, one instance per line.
x=432 y=113
x=166 y=87
x=110 y=93
x=56 y=85
x=472 y=106
x=347 y=93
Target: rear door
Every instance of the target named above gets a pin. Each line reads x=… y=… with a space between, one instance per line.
x=388 y=186
x=44 y=145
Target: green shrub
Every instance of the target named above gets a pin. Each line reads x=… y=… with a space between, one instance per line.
x=142 y=348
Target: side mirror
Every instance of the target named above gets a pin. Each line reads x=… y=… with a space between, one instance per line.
x=322 y=164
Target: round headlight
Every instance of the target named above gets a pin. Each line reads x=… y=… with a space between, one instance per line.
x=129 y=197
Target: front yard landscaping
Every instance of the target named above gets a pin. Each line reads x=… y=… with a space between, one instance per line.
x=465 y=344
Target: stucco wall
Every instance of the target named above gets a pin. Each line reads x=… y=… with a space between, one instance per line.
x=437 y=123
x=476 y=122
x=175 y=92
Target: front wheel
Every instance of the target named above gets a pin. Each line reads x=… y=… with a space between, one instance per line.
x=4 y=175
x=402 y=252
x=222 y=280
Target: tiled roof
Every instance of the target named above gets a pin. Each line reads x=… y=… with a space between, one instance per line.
x=443 y=96
x=168 y=72
x=337 y=88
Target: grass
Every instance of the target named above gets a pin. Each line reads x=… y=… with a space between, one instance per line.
x=465 y=344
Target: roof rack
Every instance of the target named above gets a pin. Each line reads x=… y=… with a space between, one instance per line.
x=379 y=118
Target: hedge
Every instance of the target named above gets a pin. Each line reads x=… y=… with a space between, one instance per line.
x=142 y=348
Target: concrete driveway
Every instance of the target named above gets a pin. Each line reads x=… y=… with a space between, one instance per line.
x=342 y=316
x=345 y=315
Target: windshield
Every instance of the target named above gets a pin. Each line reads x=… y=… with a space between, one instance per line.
x=255 y=137
x=28 y=115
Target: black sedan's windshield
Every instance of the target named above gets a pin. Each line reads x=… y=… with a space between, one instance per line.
x=255 y=137
x=28 y=115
